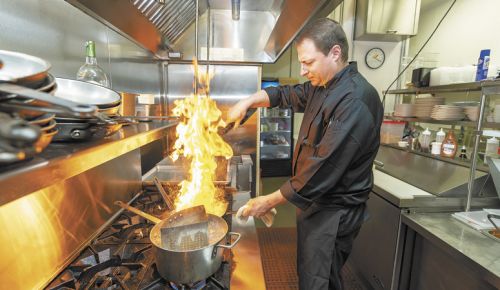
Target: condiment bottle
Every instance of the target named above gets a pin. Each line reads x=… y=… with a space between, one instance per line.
x=449 y=146
x=440 y=136
x=426 y=140
x=491 y=148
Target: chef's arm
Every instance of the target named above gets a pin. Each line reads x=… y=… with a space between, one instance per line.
x=238 y=111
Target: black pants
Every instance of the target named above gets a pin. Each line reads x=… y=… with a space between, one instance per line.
x=324 y=242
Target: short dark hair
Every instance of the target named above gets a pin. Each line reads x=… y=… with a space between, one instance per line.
x=325 y=33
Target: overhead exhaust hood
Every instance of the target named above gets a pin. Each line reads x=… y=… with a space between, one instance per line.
x=255 y=31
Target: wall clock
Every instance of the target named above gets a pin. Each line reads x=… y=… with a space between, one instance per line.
x=374 y=58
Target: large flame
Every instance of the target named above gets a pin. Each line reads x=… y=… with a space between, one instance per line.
x=199 y=141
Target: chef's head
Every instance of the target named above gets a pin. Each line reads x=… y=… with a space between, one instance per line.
x=322 y=49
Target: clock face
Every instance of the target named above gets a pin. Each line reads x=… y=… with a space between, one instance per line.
x=374 y=58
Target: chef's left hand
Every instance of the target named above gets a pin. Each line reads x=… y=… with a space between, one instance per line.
x=260 y=205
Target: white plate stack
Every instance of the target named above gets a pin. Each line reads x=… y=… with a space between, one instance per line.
x=423 y=106
x=404 y=110
x=472 y=112
x=447 y=112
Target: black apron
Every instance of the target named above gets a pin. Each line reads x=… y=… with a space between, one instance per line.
x=324 y=242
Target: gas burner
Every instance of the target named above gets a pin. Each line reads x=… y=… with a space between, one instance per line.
x=195 y=286
x=114 y=267
x=122 y=256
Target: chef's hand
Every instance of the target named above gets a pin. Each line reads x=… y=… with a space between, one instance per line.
x=261 y=205
x=238 y=111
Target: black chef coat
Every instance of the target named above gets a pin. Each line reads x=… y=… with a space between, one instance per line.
x=332 y=170
x=338 y=139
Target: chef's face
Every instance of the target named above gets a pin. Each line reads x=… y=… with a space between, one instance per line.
x=316 y=66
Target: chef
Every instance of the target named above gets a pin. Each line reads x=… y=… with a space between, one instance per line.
x=332 y=164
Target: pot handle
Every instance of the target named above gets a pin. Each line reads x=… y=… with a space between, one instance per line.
x=238 y=237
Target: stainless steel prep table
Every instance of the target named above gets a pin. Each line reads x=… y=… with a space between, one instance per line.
x=451 y=253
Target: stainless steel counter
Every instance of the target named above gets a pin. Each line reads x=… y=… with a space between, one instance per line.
x=470 y=247
x=248 y=272
x=405 y=195
x=64 y=160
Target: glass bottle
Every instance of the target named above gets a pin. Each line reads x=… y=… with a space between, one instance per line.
x=90 y=71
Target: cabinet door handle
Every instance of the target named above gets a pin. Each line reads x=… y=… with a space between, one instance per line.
x=391 y=31
x=378 y=163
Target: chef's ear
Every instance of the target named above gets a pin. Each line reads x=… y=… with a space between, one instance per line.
x=335 y=52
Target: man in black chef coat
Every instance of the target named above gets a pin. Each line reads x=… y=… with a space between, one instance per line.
x=332 y=164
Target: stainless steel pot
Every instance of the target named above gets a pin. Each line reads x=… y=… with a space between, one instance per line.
x=192 y=264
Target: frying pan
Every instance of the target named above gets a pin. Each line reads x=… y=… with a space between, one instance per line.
x=87 y=93
x=22 y=69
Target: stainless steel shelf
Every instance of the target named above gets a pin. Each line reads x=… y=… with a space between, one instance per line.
x=448 y=122
x=61 y=161
x=456 y=160
x=488 y=87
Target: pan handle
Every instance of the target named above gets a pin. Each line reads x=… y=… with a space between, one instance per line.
x=138 y=212
x=59 y=105
x=238 y=237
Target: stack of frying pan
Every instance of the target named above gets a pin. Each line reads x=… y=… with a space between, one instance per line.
x=36 y=108
x=75 y=128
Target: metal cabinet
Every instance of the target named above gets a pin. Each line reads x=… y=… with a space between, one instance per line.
x=386 y=20
x=374 y=250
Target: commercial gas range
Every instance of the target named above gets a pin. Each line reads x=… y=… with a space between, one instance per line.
x=121 y=256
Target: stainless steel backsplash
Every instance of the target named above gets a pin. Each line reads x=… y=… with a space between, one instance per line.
x=56 y=31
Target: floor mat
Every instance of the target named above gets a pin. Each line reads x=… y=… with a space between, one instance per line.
x=279 y=260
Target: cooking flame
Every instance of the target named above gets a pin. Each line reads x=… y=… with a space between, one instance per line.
x=199 y=141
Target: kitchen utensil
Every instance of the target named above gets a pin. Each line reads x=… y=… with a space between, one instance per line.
x=186 y=229
x=18 y=132
x=230 y=126
x=185 y=267
x=196 y=264
x=163 y=193
x=149 y=217
x=23 y=69
x=83 y=131
x=87 y=93
x=46 y=102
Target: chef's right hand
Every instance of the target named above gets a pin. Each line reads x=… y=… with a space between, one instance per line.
x=237 y=112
